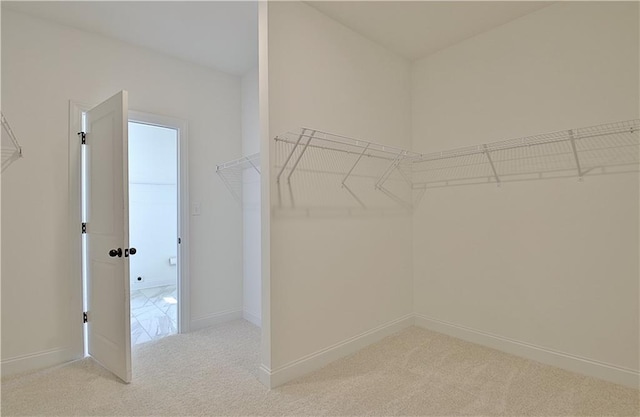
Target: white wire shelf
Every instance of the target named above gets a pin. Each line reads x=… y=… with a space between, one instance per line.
x=233 y=173
x=368 y=175
x=11 y=149
x=309 y=162
x=595 y=150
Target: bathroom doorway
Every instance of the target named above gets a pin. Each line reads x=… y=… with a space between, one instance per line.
x=153 y=230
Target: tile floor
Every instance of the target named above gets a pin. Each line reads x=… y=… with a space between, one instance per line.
x=154 y=313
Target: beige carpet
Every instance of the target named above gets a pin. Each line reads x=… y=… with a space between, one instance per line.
x=415 y=372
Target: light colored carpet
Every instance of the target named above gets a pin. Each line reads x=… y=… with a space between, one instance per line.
x=415 y=372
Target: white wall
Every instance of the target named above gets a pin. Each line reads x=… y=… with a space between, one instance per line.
x=45 y=65
x=553 y=264
x=333 y=279
x=153 y=205
x=251 y=225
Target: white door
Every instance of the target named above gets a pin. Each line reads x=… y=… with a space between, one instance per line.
x=107 y=218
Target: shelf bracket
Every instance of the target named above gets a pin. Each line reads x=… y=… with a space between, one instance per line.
x=389 y=170
x=295 y=164
x=420 y=194
x=343 y=183
x=575 y=154
x=383 y=178
x=238 y=198
x=254 y=167
x=354 y=165
x=493 y=167
x=402 y=174
x=395 y=198
x=12 y=136
x=290 y=155
x=354 y=195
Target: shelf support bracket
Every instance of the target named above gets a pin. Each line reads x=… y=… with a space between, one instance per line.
x=354 y=165
x=389 y=170
x=238 y=198
x=354 y=195
x=418 y=198
x=343 y=183
x=254 y=167
x=402 y=174
x=493 y=167
x=290 y=155
x=295 y=164
x=572 y=139
x=395 y=198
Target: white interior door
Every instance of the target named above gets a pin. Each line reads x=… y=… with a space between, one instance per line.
x=107 y=218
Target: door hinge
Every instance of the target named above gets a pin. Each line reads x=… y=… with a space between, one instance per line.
x=84 y=228
x=179 y=240
x=85 y=318
x=83 y=137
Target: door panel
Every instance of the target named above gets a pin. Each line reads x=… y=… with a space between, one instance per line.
x=109 y=325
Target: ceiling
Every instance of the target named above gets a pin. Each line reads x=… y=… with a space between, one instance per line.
x=218 y=34
x=224 y=34
x=415 y=29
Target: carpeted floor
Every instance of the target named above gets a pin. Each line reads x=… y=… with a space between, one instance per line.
x=415 y=372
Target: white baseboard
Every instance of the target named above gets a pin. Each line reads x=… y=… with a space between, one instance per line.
x=590 y=367
x=273 y=378
x=321 y=358
x=252 y=318
x=38 y=360
x=214 y=319
x=264 y=376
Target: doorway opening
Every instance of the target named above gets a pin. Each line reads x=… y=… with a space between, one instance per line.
x=157 y=293
x=153 y=231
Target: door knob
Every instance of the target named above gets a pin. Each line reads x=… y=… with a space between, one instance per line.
x=132 y=251
x=116 y=252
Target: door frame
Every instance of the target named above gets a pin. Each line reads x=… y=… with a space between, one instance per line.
x=75 y=217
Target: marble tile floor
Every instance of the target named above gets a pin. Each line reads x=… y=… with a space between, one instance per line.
x=154 y=313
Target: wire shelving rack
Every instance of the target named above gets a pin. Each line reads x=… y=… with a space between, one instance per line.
x=350 y=163
x=594 y=150
x=403 y=176
x=232 y=173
